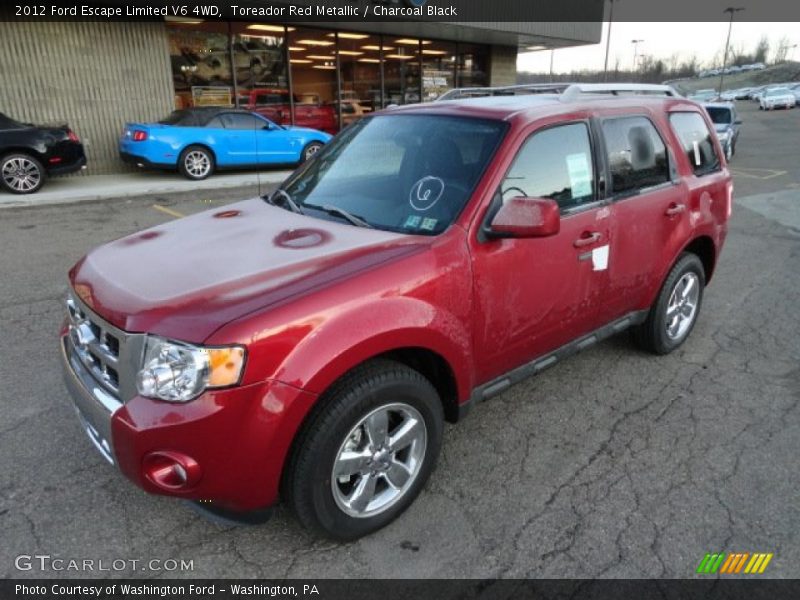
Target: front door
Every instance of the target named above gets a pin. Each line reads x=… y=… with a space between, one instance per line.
x=534 y=295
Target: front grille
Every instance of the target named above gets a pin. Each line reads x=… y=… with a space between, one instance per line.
x=110 y=355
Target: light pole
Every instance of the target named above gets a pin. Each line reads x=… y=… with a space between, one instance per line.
x=732 y=10
x=789 y=50
x=608 y=39
x=635 y=51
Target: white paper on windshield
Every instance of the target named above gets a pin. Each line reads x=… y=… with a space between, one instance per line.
x=600 y=258
x=580 y=175
x=696 y=146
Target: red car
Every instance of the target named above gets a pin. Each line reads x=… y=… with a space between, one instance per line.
x=310 y=345
x=274 y=104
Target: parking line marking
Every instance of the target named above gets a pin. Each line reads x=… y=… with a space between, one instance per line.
x=770 y=173
x=169 y=211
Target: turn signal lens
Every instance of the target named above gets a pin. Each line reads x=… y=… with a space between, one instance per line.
x=224 y=366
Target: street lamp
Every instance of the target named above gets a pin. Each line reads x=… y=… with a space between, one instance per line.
x=732 y=10
x=608 y=39
x=635 y=51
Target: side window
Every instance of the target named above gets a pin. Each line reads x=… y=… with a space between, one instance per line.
x=696 y=141
x=636 y=154
x=242 y=121
x=215 y=123
x=555 y=163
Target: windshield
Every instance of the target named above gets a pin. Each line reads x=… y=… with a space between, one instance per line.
x=405 y=173
x=778 y=92
x=720 y=116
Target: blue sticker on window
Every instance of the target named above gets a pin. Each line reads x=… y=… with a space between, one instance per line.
x=412 y=222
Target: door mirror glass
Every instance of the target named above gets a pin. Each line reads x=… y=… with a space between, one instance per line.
x=526 y=218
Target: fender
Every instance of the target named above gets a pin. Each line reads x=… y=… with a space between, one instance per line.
x=363 y=332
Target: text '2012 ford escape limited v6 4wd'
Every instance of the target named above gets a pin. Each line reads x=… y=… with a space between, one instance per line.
x=309 y=345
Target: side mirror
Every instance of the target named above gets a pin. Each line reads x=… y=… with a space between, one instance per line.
x=526 y=218
x=737 y=122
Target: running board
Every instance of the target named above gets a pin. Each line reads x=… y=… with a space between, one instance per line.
x=502 y=383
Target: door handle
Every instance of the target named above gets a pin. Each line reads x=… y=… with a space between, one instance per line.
x=587 y=239
x=675 y=209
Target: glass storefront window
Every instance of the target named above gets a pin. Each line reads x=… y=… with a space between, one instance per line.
x=402 y=70
x=312 y=58
x=438 y=69
x=473 y=65
x=201 y=67
x=259 y=58
x=360 y=64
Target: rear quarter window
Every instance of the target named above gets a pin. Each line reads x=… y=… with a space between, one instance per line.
x=696 y=141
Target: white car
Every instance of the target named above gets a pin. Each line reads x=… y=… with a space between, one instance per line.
x=780 y=97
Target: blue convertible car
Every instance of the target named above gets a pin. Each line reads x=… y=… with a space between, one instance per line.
x=197 y=141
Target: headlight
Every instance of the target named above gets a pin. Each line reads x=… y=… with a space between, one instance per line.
x=723 y=136
x=178 y=372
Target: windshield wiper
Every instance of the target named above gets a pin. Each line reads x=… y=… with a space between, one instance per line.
x=289 y=201
x=335 y=210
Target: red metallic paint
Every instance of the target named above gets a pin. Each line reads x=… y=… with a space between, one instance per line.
x=311 y=299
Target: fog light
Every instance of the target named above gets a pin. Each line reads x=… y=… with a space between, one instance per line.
x=171 y=471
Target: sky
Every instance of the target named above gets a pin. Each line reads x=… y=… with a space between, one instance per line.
x=661 y=40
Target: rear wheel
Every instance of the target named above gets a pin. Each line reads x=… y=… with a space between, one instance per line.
x=672 y=317
x=310 y=150
x=196 y=162
x=367 y=452
x=21 y=173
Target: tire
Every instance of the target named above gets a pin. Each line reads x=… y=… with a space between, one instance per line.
x=660 y=335
x=196 y=163
x=310 y=150
x=347 y=413
x=21 y=174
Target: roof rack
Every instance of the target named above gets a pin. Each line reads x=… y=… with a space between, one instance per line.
x=507 y=90
x=617 y=89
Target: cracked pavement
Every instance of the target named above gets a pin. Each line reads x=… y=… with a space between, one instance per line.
x=614 y=463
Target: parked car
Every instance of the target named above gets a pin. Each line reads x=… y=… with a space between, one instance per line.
x=274 y=104
x=742 y=93
x=31 y=153
x=198 y=141
x=795 y=89
x=310 y=344
x=726 y=124
x=779 y=97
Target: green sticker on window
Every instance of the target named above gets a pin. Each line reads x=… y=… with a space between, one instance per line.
x=580 y=175
x=429 y=224
x=412 y=222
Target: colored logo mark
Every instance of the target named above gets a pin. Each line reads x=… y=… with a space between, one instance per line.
x=734 y=563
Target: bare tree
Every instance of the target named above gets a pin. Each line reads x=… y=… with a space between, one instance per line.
x=762 y=49
x=781 y=50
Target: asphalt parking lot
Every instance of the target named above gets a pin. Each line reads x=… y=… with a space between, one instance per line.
x=612 y=464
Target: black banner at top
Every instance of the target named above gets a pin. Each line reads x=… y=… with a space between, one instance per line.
x=338 y=11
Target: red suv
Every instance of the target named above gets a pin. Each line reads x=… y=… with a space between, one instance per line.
x=310 y=345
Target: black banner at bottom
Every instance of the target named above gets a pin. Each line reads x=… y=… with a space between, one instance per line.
x=406 y=589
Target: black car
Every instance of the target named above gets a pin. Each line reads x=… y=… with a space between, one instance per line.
x=29 y=153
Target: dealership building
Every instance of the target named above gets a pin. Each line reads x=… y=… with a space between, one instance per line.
x=98 y=75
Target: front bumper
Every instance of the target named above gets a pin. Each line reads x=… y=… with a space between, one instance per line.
x=240 y=436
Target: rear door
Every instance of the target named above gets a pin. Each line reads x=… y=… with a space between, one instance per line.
x=534 y=295
x=648 y=208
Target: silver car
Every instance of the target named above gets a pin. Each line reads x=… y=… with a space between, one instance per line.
x=779 y=97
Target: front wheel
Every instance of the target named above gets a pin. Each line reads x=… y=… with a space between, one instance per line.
x=21 y=174
x=310 y=150
x=672 y=317
x=367 y=452
x=196 y=162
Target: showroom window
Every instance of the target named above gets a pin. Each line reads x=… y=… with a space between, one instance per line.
x=201 y=66
x=259 y=58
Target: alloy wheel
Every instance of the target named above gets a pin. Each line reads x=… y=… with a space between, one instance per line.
x=21 y=174
x=379 y=460
x=197 y=163
x=682 y=306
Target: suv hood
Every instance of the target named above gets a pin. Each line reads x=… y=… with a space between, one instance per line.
x=188 y=277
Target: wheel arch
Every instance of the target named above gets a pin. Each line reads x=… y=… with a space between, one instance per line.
x=23 y=150
x=703 y=247
x=203 y=145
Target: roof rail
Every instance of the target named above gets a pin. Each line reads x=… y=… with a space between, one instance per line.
x=507 y=90
x=616 y=89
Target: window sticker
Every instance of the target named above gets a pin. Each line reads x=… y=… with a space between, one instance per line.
x=412 y=222
x=425 y=193
x=697 y=160
x=428 y=224
x=580 y=175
